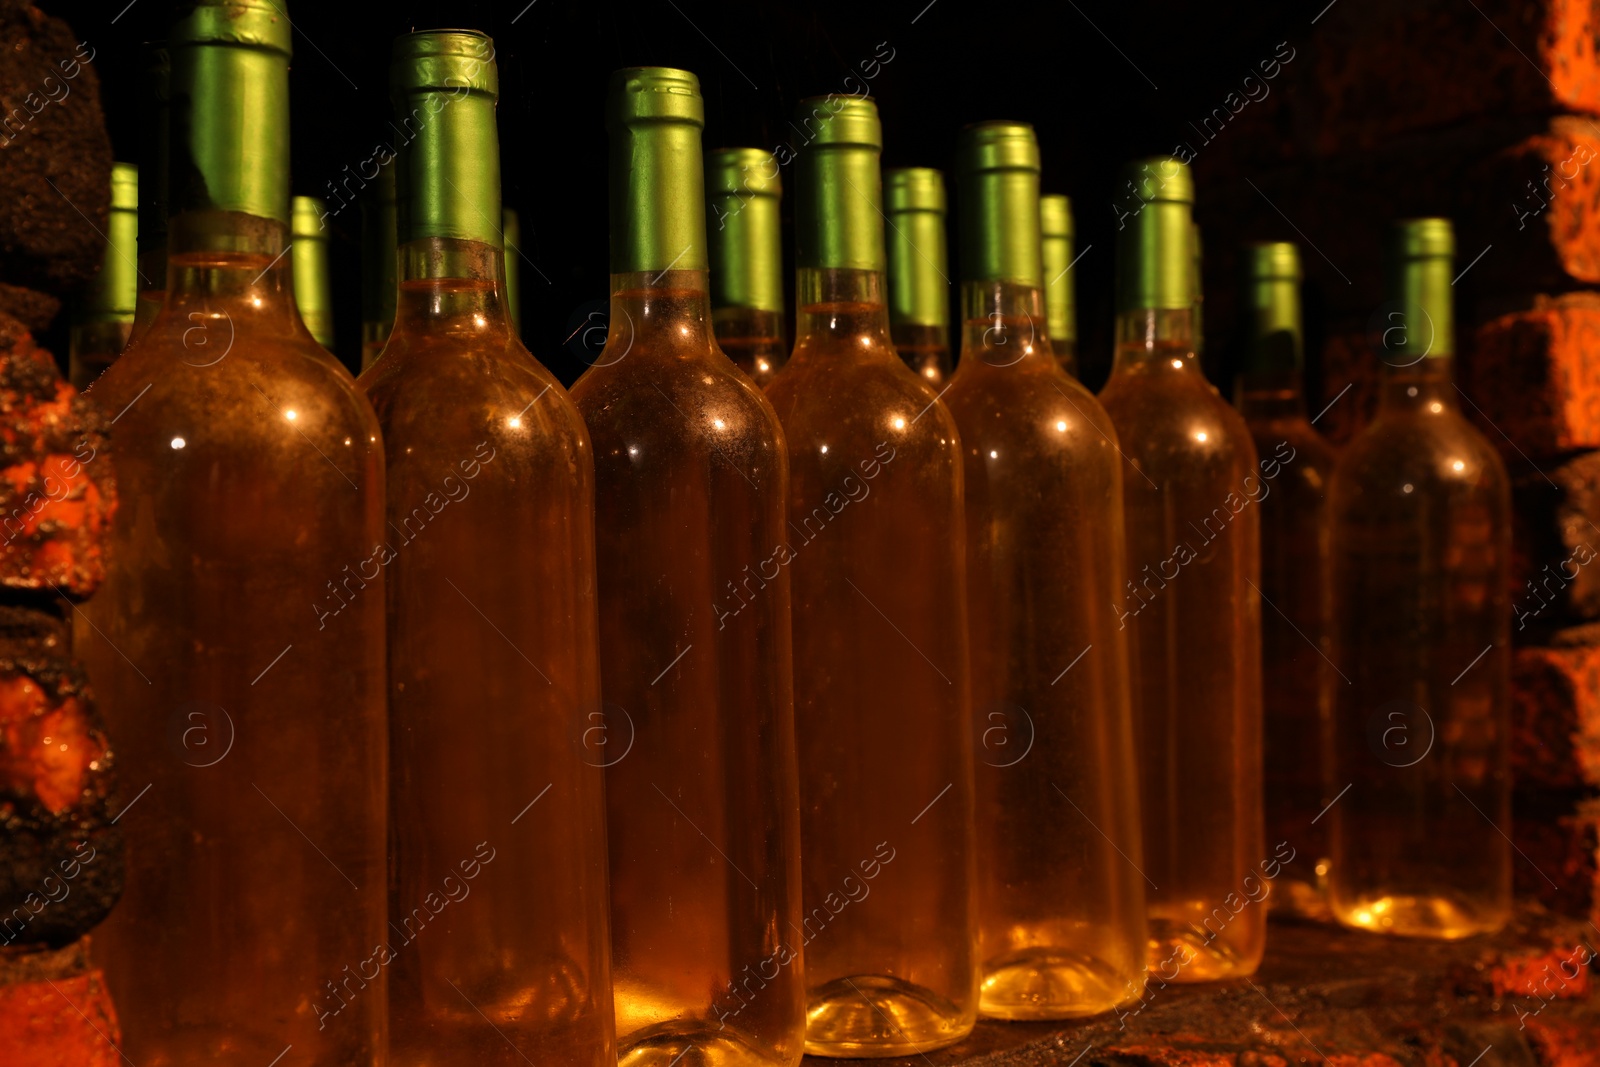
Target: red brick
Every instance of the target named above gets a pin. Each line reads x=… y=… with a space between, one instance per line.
x=1563 y=1042
x=1561 y=973
x=1533 y=378
x=57 y=1013
x=1555 y=742
x=1555 y=541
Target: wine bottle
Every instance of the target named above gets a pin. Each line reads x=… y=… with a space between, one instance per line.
x=1190 y=602
x=237 y=645
x=1297 y=676
x=1061 y=900
x=102 y=318
x=743 y=187
x=154 y=144
x=379 y=264
x=919 y=282
x=875 y=544
x=313 y=288
x=1060 y=300
x=1421 y=515
x=511 y=231
x=697 y=732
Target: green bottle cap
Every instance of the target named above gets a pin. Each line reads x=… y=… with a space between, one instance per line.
x=230 y=59
x=838 y=212
x=1420 y=264
x=511 y=228
x=113 y=294
x=658 y=211
x=743 y=188
x=1198 y=323
x=1056 y=252
x=999 y=167
x=1273 y=340
x=157 y=138
x=313 y=286
x=379 y=244
x=919 y=283
x=1155 y=264
x=444 y=84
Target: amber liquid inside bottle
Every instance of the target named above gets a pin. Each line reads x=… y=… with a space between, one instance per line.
x=697 y=733
x=753 y=339
x=925 y=349
x=1061 y=899
x=875 y=546
x=1193 y=554
x=497 y=884
x=1421 y=542
x=1297 y=675
x=249 y=735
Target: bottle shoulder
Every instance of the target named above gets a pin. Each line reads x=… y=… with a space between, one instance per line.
x=826 y=395
x=1044 y=412
x=1176 y=415
x=1411 y=452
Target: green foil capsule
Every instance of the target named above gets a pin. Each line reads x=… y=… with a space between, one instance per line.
x=999 y=178
x=1155 y=261
x=919 y=281
x=455 y=164
x=1421 y=258
x=654 y=116
x=313 y=285
x=1057 y=247
x=238 y=51
x=1270 y=297
x=839 y=203
x=743 y=189
x=113 y=294
x=511 y=228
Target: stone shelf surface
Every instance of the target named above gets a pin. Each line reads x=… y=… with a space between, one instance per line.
x=1518 y=999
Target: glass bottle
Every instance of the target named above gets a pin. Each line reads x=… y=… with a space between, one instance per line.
x=379 y=260
x=493 y=655
x=1297 y=676
x=313 y=288
x=102 y=318
x=248 y=713
x=919 y=282
x=1420 y=507
x=697 y=732
x=511 y=232
x=1061 y=900
x=877 y=560
x=1190 y=601
x=743 y=188
x=1060 y=300
x=155 y=138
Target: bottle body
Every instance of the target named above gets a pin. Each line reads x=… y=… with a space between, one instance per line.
x=493 y=674
x=753 y=339
x=1420 y=508
x=254 y=727
x=697 y=732
x=1191 y=606
x=874 y=547
x=1061 y=899
x=1298 y=678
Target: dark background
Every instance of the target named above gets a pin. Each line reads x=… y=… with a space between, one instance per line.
x=1102 y=82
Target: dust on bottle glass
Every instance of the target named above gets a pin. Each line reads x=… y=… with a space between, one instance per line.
x=1421 y=508
x=250 y=727
x=743 y=188
x=874 y=548
x=497 y=858
x=915 y=207
x=1190 y=602
x=1061 y=897
x=691 y=481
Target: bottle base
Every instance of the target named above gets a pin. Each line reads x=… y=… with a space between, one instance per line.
x=1044 y=984
x=1301 y=900
x=1177 y=953
x=875 y=1016
x=1436 y=917
x=689 y=1044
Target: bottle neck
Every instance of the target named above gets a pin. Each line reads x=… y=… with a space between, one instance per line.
x=1003 y=325
x=1149 y=337
x=1428 y=386
x=645 y=304
x=232 y=266
x=841 y=304
x=451 y=286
